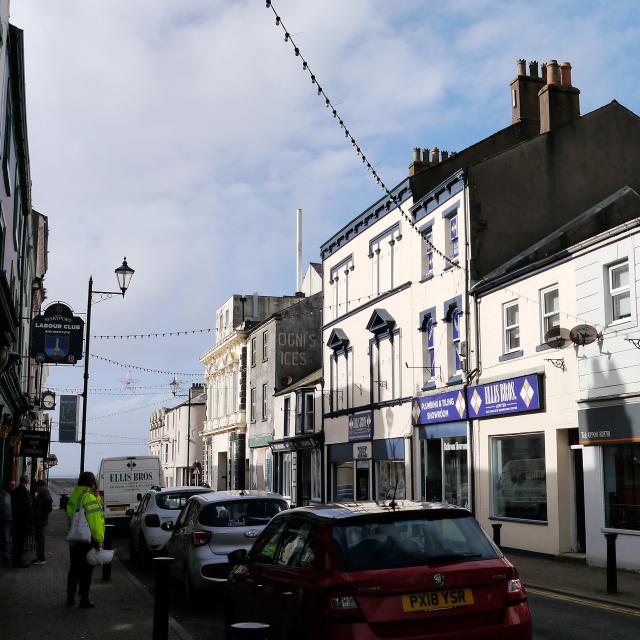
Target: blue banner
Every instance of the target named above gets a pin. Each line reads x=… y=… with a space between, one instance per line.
x=513 y=395
x=440 y=407
x=361 y=426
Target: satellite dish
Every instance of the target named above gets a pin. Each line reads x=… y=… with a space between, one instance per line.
x=557 y=337
x=583 y=334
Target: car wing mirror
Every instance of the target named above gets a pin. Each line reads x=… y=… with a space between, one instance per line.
x=129 y=512
x=167 y=526
x=239 y=556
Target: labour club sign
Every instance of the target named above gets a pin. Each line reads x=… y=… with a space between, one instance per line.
x=56 y=336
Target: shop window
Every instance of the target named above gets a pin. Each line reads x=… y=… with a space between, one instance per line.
x=339 y=280
x=622 y=486
x=390 y=480
x=343 y=491
x=619 y=291
x=511 y=319
x=519 y=477
x=286 y=410
x=550 y=306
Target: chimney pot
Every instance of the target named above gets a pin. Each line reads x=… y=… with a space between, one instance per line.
x=543 y=71
x=533 y=68
x=521 y=67
x=553 y=72
x=416 y=154
x=565 y=74
x=445 y=155
x=435 y=155
x=425 y=156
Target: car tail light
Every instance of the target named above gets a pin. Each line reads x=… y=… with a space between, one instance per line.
x=340 y=603
x=515 y=591
x=152 y=520
x=200 y=538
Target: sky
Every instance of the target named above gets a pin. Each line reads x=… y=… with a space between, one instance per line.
x=184 y=135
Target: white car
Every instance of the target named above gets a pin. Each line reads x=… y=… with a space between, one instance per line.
x=149 y=530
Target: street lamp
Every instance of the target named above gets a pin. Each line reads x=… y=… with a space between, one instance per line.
x=174 y=385
x=124 y=273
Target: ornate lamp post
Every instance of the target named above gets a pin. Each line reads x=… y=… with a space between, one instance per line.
x=124 y=273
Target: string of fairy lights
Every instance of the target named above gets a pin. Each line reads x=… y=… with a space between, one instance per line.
x=329 y=104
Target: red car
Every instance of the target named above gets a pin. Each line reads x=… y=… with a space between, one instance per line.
x=368 y=571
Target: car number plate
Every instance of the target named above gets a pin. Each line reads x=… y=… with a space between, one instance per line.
x=430 y=600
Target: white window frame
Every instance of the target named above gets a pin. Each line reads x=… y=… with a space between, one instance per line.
x=376 y=247
x=265 y=406
x=428 y=252
x=341 y=362
x=252 y=397
x=506 y=328
x=453 y=241
x=308 y=400
x=253 y=351
x=546 y=314
x=614 y=292
x=340 y=274
x=265 y=345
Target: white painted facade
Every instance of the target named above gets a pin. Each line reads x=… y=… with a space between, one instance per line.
x=609 y=381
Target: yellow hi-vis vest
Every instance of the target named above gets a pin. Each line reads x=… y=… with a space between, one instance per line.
x=92 y=510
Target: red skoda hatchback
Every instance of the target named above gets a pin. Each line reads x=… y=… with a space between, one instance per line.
x=369 y=571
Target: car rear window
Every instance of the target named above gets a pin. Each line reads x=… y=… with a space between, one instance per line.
x=174 y=501
x=240 y=513
x=385 y=543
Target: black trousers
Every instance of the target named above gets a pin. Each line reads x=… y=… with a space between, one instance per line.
x=79 y=570
x=19 y=538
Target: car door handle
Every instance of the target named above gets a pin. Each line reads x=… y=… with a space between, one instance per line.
x=286 y=593
x=258 y=587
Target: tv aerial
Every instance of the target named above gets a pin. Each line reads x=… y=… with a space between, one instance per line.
x=557 y=337
x=584 y=334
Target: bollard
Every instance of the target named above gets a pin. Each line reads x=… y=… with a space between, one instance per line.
x=496 y=533
x=161 y=598
x=612 y=576
x=64 y=501
x=250 y=631
x=108 y=532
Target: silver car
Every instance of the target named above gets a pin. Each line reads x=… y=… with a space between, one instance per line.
x=148 y=530
x=210 y=526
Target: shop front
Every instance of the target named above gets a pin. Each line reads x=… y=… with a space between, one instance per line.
x=366 y=469
x=297 y=467
x=442 y=434
x=610 y=437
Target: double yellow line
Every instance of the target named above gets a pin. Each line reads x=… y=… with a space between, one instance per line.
x=583 y=601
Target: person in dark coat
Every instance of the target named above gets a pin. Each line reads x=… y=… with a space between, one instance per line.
x=42 y=507
x=22 y=521
x=6 y=517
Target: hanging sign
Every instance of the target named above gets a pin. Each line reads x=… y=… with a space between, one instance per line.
x=504 y=397
x=57 y=335
x=34 y=444
x=68 y=421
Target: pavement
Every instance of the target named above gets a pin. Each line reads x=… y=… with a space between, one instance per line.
x=570 y=576
x=32 y=601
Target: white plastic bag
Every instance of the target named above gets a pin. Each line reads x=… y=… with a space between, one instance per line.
x=79 y=530
x=97 y=557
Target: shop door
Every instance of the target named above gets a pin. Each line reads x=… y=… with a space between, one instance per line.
x=578 y=482
x=363 y=480
x=304 y=478
x=222 y=471
x=456 y=474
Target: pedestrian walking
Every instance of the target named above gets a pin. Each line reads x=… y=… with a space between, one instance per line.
x=84 y=496
x=42 y=507
x=6 y=518
x=22 y=521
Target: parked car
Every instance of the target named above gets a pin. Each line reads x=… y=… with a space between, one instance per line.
x=148 y=530
x=365 y=571
x=210 y=526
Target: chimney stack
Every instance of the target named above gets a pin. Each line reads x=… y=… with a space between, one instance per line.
x=524 y=93
x=559 y=100
x=435 y=155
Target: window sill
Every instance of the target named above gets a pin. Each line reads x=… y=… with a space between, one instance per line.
x=512 y=355
x=457 y=379
x=544 y=523
x=450 y=263
x=429 y=385
x=543 y=347
x=622 y=532
x=427 y=278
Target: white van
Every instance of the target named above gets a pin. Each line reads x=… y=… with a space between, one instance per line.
x=123 y=481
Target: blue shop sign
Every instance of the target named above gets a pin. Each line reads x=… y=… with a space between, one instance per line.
x=361 y=426
x=440 y=407
x=513 y=395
